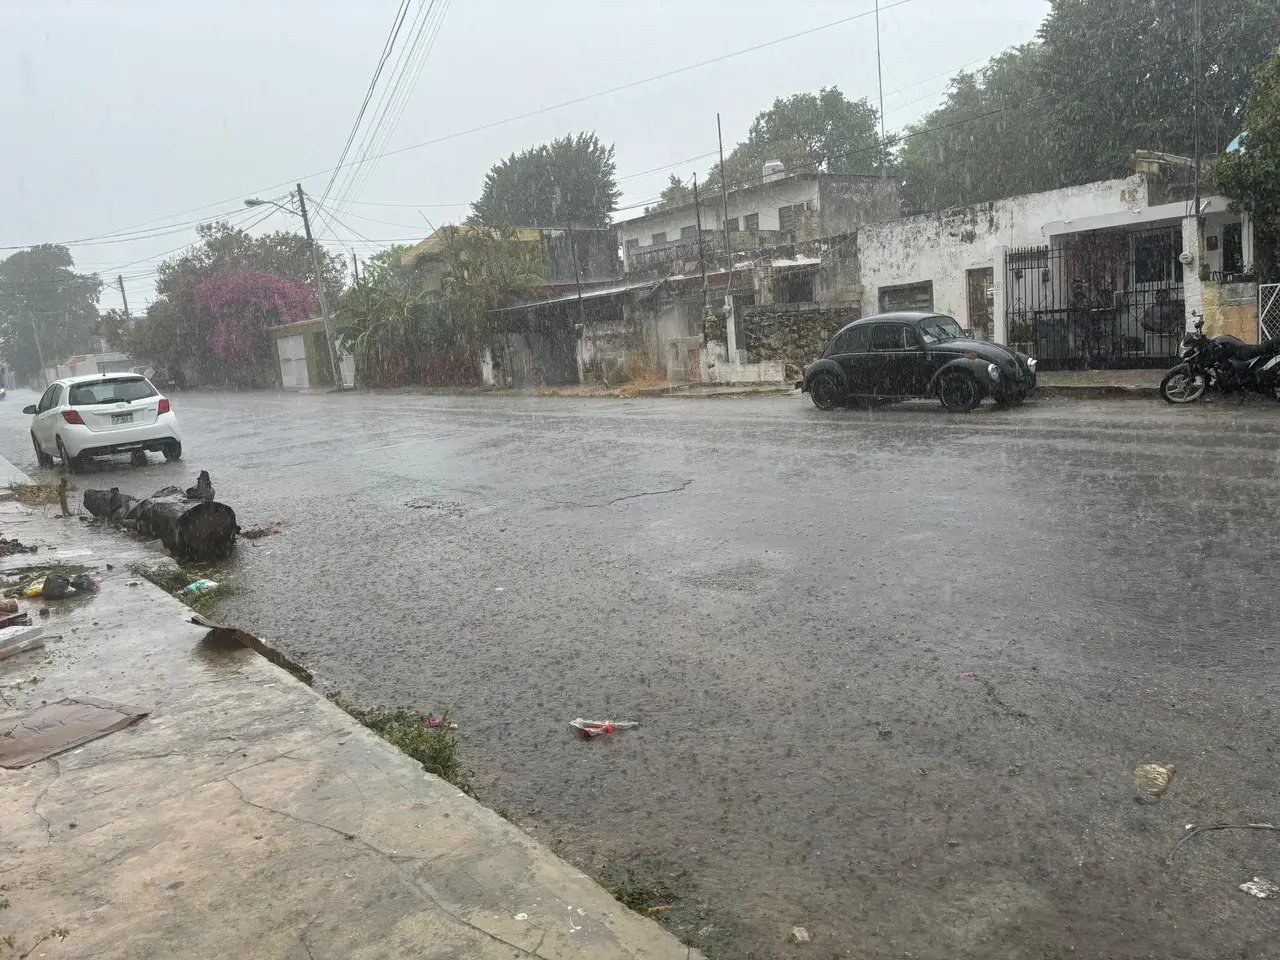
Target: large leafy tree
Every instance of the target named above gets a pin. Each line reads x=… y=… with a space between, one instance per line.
x=571 y=180
x=1119 y=76
x=807 y=131
x=42 y=296
x=1251 y=176
x=185 y=328
x=991 y=138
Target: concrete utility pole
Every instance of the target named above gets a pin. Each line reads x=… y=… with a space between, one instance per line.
x=1195 y=109
x=702 y=260
x=323 y=297
x=124 y=297
x=880 y=75
x=39 y=353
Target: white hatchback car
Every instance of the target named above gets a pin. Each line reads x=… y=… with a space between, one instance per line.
x=95 y=416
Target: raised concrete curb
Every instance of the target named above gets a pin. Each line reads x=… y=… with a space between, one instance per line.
x=247 y=816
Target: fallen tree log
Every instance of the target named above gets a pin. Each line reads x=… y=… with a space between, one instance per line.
x=196 y=530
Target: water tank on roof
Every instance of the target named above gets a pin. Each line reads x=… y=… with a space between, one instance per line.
x=774 y=170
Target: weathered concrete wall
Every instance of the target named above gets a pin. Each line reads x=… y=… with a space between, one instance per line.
x=794 y=333
x=1230 y=309
x=847 y=204
x=941 y=247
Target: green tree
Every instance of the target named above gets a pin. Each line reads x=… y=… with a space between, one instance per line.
x=991 y=138
x=675 y=193
x=806 y=131
x=572 y=179
x=385 y=269
x=1250 y=177
x=178 y=333
x=1119 y=76
x=404 y=331
x=41 y=294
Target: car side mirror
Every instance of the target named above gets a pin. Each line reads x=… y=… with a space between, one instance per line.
x=31 y=409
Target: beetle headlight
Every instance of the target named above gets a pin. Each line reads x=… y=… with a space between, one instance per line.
x=993 y=371
x=1031 y=364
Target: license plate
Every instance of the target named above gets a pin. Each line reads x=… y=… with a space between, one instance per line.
x=121 y=418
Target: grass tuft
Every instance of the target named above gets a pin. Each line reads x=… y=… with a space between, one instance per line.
x=34 y=494
x=436 y=748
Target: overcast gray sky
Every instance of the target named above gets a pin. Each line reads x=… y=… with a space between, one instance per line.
x=154 y=113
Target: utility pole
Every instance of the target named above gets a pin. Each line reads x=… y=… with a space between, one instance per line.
x=1195 y=112
x=39 y=353
x=880 y=76
x=355 y=266
x=702 y=260
x=731 y=340
x=120 y=283
x=323 y=297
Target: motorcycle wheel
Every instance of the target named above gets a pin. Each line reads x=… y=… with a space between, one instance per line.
x=1180 y=385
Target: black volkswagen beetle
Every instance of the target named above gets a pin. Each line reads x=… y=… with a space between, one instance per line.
x=902 y=356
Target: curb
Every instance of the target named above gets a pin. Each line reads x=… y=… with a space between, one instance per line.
x=1097 y=392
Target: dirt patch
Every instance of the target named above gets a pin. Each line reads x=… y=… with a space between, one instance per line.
x=33 y=494
x=175 y=579
x=430 y=740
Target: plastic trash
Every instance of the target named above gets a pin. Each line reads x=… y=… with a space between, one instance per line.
x=200 y=586
x=1261 y=888
x=593 y=728
x=53 y=587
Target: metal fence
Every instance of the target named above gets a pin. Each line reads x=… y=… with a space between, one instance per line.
x=1268 y=311
x=1102 y=300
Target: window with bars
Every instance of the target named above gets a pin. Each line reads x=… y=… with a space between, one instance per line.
x=751 y=222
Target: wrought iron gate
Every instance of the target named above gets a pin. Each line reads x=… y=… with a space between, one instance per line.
x=1110 y=299
x=1268 y=311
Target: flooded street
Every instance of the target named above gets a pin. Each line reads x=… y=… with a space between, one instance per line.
x=893 y=668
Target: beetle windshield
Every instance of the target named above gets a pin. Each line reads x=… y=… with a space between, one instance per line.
x=937 y=329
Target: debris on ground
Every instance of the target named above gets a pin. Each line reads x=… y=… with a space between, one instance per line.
x=61 y=726
x=224 y=635
x=8 y=606
x=200 y=586
x=593 y=728
x=34 y=494
x=20 y=639
x=257 y=533
x=1261 y=888
x=15 y=620
x=1193 y=830
x=190 y=527
x=9 y=547
x=53 y=587
x=203 y=490
x=435 y=748
x=799 y=935
x=1152 y=780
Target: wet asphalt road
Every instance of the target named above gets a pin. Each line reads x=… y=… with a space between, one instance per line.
x=894 y=668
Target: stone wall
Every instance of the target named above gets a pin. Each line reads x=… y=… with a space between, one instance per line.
x=792 y=332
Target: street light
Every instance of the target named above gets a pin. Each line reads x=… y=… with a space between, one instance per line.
x=315 y=265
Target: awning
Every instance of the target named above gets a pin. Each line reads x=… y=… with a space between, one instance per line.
x=596 y=293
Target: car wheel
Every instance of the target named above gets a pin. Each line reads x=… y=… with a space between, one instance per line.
x=826 y=391
x=42 y=458
x=959 y=392
x=138 y=458
x=69 y=463
x=173 y=451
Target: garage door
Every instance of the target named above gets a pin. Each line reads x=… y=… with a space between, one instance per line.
x=293 y=362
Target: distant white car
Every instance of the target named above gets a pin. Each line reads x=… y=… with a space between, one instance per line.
x=102 y=414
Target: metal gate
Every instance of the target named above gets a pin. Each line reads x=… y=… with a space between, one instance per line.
x=1268 y=311
x=1109 y=299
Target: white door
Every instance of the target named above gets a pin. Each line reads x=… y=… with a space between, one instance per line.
x=293 y=362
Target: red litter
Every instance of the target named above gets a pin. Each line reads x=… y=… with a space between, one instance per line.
x=593 y=728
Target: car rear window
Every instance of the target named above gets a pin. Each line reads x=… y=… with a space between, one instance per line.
x=111 y=391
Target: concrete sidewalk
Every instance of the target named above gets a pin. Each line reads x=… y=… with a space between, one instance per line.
x=247 y=816
x=1090 y=384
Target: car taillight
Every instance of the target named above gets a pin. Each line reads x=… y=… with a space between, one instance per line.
x=164 y=406
x=73 y=416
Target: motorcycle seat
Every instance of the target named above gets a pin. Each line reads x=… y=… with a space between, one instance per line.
x=1248 y=351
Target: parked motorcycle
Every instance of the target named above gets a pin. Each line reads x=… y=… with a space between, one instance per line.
x=1226 y=364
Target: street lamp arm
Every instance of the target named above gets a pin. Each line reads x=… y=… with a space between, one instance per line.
x=255 y=202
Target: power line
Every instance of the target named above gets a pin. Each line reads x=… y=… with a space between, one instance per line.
x=387 y=47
